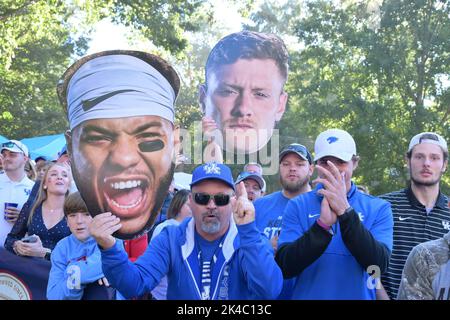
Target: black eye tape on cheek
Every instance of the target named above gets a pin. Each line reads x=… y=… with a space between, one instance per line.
x=151 y=146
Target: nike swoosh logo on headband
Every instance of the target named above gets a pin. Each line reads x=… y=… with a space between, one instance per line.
x=89 y=104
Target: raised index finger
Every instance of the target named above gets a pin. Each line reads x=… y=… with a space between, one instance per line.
x=240 y=190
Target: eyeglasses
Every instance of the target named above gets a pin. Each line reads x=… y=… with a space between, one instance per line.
x=219 y=199
x=11 y=144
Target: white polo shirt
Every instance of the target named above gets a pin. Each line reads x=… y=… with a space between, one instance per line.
x=11 y=191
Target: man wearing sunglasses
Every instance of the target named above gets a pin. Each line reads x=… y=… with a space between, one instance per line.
x=218 y=254
x=335 y=237
x=15 y=186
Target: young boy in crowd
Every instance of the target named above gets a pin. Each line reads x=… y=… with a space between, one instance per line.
x=76 y=261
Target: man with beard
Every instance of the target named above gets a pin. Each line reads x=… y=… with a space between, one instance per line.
x=218 y=254
x=120 y=107
x=296 y=169
x=334 y=235
x=420 y=211
x=243 y=96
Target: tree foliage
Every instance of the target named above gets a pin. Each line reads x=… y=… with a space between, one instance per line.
x=35 y=47
x=377 y=73
x=40 y=39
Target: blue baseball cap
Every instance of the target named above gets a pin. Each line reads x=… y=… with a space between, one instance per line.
x=40 y=158
x=251 y=175
x=63 y=151
x=212 y=170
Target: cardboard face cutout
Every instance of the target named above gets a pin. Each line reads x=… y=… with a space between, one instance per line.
x=122 y=140
x=243 y=96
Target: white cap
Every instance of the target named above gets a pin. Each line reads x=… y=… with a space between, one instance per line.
x=428 y=137
x=15 y=146
x=335 y=143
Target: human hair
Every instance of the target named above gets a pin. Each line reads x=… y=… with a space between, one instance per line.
x=30 y=169
x=42 y=193
x=42 y=165
x=179 y=199
x=74 y=203
x=248 y=45
x=252 y=164
x=428 y=136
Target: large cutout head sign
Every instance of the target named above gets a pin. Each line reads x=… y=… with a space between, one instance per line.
x=120 y=107
x=243 y=95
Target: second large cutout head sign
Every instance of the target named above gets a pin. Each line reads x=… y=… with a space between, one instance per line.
x=120 y=108
x=243 y=95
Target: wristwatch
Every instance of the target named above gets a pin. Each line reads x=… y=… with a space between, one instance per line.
x=48 y=254
x=349 y=209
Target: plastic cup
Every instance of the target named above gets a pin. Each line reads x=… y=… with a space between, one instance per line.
x=10 y=204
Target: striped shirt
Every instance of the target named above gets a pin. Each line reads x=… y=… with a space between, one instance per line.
x=412 y=225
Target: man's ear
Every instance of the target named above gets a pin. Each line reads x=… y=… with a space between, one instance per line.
x=202 y=90
x=407 y=161
x=355 y=162
x=281 y=106
x=311 y=169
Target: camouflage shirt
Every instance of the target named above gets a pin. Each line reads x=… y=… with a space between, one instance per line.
x=426 y=275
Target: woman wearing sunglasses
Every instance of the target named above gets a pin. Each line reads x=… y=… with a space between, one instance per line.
x=218 y=254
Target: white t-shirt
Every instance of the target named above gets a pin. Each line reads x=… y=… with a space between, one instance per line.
x=11 y=191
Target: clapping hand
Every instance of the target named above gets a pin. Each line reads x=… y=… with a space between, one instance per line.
x=335 y=189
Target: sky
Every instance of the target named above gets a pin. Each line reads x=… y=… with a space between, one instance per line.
x=108 y=36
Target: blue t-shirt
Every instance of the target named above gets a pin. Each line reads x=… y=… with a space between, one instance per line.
x=269 y=213
x=336 y=274
x=268 y=216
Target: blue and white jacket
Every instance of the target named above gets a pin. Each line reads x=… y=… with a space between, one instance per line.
x=244 y=269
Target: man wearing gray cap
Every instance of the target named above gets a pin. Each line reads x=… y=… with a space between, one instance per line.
x=421 y=210
x=120 y=107
x=254 y=183
x=334 y=237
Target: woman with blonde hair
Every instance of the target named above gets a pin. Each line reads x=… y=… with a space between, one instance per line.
x=44 y=223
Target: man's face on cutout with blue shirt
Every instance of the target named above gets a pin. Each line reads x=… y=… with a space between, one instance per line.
x=124 y=166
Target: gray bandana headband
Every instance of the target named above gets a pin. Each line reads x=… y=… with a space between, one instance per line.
x=118 y=86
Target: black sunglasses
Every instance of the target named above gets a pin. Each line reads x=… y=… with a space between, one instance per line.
x=219 y=199
x=11 y=144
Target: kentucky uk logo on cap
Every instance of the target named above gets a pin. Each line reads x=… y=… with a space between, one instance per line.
x=332 y=139
x=211 y=168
